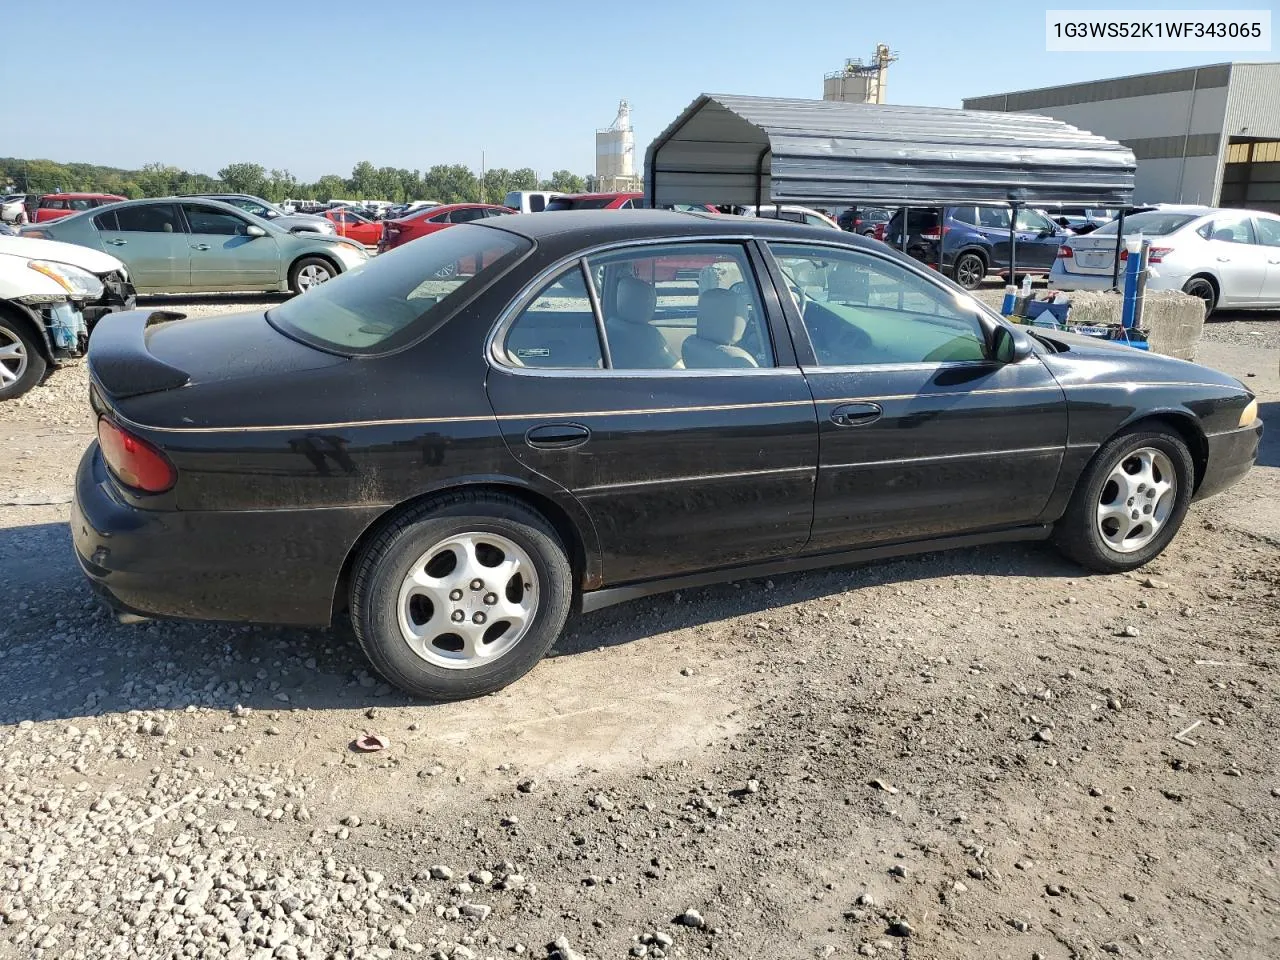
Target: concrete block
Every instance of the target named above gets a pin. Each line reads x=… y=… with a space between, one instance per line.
x=1172 y=320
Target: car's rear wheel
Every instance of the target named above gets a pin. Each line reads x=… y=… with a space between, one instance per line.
x=1203 y=288
x=310 y=272
x=970 y=270
x=461 y=596
x=22 y=365
x=1130 y=502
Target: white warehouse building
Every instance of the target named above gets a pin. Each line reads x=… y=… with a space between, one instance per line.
x=1206 y=135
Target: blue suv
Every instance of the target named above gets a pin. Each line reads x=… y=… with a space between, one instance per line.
x=975 y=241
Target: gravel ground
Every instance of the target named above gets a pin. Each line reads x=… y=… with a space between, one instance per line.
x=954 y=756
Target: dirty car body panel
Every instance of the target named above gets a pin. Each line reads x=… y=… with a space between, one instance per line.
x=291 y=451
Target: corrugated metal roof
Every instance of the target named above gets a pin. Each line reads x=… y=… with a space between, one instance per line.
x=733 y=149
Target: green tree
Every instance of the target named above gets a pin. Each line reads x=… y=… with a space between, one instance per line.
x=159 y=180
x=562 y=181
x=451 y=183
x=364 y=180
x=244 y=178
x=280 y=185
x=330 y=187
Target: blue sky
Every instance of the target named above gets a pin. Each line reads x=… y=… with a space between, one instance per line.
x=315 y=87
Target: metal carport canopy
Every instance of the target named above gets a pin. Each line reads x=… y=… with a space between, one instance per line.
x=751 y=150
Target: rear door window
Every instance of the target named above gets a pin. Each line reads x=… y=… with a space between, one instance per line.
x=1232 y=230
x=558 y=327
x=149 y=218
x=210 y=220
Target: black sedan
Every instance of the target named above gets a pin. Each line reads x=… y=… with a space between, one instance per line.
x=474 y=435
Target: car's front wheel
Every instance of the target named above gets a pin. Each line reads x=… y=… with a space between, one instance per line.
x=1130 y=502
x=22 y=365
x=462 y=596
x=310 y=272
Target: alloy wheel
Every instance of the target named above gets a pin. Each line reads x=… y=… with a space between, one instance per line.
x=970 y=271
x=312 y=275
x=13 y=358
x=1136 y=500
x=1204 y=290
x=468 y=600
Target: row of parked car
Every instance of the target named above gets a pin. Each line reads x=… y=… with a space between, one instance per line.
x=99 y=253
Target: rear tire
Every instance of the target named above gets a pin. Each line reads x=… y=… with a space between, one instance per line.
x=1089 y=532
x=22 y=365
x=969 y=270
x=310 y=272
x=1203 y=288
x=422 y=620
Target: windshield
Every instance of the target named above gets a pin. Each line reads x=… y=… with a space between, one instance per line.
x=400 y=295
x=1153 y=223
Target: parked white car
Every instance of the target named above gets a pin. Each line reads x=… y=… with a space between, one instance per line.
x=13 y=209
x=792 y=212
x=529 y=201
x=1227 y=258
x=51 y=294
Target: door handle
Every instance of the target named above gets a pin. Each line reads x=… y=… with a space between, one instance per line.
x=856 y=414
x=557 y=436
x=117 y=242
x=1273 y=261
x=199 y=246
x=1224 y=259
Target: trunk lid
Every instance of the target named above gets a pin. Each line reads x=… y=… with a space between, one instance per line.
x=136 y=355
x=1090 y=254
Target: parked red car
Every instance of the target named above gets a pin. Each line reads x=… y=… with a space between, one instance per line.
x=52 y=206
x=350 y=224
x=396 y=233
x=616 y=201
x=596 y=201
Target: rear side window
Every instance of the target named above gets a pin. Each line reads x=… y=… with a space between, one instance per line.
x=83 y=203
x=149 y=218
x=1232 y=230
x=400 y=296
x=537 y=204
x=50 y=203
x=558 y=328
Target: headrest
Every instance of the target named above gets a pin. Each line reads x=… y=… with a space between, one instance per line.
x=722 y=316
x=636 y=300
x=1226 y=233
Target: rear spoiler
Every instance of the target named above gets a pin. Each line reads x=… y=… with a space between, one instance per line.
x=119 y=361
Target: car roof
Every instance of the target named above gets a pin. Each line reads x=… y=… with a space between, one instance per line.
x=606 y=226
x=79 y=196
x=612 y=195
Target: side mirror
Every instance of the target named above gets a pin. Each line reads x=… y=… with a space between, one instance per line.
x=1009 y=346
x=253 y=230
x=271 y=214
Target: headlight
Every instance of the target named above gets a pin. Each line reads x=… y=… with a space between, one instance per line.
x=80 y=283
x=1249 y=413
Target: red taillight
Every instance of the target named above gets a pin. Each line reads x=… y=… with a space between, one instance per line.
x=135 y=462
x=1155 y=256
x=1064 y=253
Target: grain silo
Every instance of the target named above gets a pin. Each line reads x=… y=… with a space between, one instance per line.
x=860 y=82
x=616 y=154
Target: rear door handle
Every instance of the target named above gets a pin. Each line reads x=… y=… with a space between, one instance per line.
x=557 y=436
x=117 y=242
x=199 y=246
x=1224 y=259
x=856 y=414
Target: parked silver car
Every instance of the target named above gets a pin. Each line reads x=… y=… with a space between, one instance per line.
x=293 y=222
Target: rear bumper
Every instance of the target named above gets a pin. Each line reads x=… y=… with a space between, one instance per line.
x=265 y=566
x=1231 y=454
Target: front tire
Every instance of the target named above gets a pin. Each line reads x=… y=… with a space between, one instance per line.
x=1130 y=501
x=969 y=270
x=22 y=365
x=461 y=596
x=310 y=272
